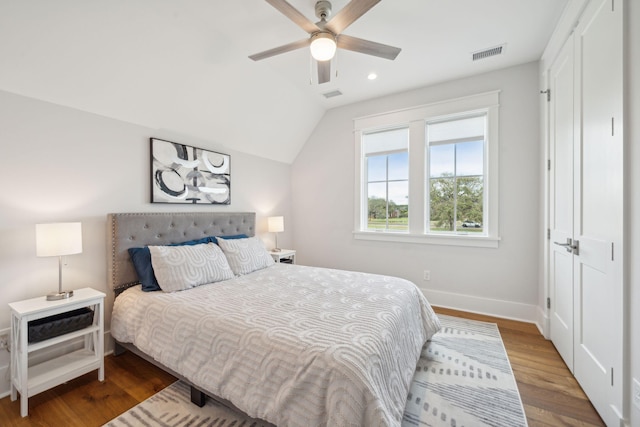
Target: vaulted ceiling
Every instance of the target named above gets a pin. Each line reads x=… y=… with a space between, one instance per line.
x=183 y=65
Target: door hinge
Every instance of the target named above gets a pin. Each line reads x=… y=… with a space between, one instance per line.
x=612 y=251
x=548 y=234
x=549 y=164
x=612 y=127
x=613 y=8
x=548 y=302
x=548 y=92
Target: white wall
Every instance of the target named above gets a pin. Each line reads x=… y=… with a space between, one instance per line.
x=632 y=154
x=61 y=164
x=499 y=281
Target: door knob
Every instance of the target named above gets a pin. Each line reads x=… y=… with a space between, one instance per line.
x=570 y=246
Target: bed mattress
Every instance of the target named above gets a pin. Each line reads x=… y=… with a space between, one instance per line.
x=293 y=345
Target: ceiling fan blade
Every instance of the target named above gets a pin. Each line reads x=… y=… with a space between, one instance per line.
x=324 y=71
x=348 y=14
x=292 y=13
x=280 y=49
x=366 y=46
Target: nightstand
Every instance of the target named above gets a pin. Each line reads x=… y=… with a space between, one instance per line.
x=31 y=380
x=284 y=255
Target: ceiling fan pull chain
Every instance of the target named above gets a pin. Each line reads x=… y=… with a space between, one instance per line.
x=310 y=70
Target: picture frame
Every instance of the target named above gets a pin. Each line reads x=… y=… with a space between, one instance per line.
x=184 y=174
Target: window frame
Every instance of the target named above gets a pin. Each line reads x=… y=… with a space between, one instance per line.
x=366 y=182
x=485 y=149
x=416 y=119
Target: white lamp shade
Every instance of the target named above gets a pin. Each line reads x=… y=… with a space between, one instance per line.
x=276 y=224
x=323 y=47
x=63 y=238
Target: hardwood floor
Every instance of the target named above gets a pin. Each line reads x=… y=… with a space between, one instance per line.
x=86 y=401
x=551 y=396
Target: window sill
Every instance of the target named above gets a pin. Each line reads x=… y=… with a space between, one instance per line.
x=429 y=239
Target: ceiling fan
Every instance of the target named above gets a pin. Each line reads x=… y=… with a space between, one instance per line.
x=326 y=35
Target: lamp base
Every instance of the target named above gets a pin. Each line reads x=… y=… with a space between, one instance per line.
x=59 y=295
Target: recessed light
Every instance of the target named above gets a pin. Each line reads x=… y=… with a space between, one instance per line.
x=372 y=76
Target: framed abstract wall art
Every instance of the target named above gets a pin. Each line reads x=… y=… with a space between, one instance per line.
x=184 y=174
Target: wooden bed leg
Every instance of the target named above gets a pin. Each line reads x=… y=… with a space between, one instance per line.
x=118 y=349
x=197 y=397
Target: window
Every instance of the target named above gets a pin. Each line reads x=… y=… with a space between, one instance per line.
x=429 y=174
x=387 y=190
x=456 y=175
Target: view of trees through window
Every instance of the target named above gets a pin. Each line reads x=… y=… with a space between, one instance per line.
x=456 y=202
x=456 y=175
x=388 y=192
x=387 y=165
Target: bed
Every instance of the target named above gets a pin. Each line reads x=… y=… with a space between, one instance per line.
x=289 y=344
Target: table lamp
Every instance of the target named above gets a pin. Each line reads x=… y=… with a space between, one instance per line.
x=59 y=239
x=276 y=225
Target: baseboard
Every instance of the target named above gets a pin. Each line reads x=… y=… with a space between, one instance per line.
x=487 y=306
x=542 y=322
x=5 y=374
x=5 y=377
x=5 y=359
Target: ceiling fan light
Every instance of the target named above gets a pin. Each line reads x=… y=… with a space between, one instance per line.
x=323 y=46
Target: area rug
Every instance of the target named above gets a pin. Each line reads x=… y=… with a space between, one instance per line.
x=463 y=379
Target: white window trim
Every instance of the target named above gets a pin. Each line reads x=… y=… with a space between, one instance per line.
x=416 y=118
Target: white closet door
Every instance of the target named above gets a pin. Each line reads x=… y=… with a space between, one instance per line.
x=561 y=123
x=586 y=206
x=598 y=208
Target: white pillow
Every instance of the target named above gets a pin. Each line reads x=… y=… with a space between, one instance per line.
x=182 y=267
x=245 y=255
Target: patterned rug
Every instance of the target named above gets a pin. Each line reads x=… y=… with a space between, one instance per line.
x=463 y=379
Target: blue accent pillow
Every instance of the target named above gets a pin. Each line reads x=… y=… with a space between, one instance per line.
x=141 y=258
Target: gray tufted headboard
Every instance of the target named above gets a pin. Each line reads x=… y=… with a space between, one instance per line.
x=128 y=230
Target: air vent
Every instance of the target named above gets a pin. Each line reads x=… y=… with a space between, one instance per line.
x=492 y=51
x=332 y=94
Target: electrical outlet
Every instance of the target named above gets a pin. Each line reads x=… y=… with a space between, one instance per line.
x=4 y=342
x=636 y=393
x=427 y=275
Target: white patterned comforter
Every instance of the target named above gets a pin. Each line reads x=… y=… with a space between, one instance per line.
x=293 y=345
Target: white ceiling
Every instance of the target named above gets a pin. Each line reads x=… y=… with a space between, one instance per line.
x=183 y=66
